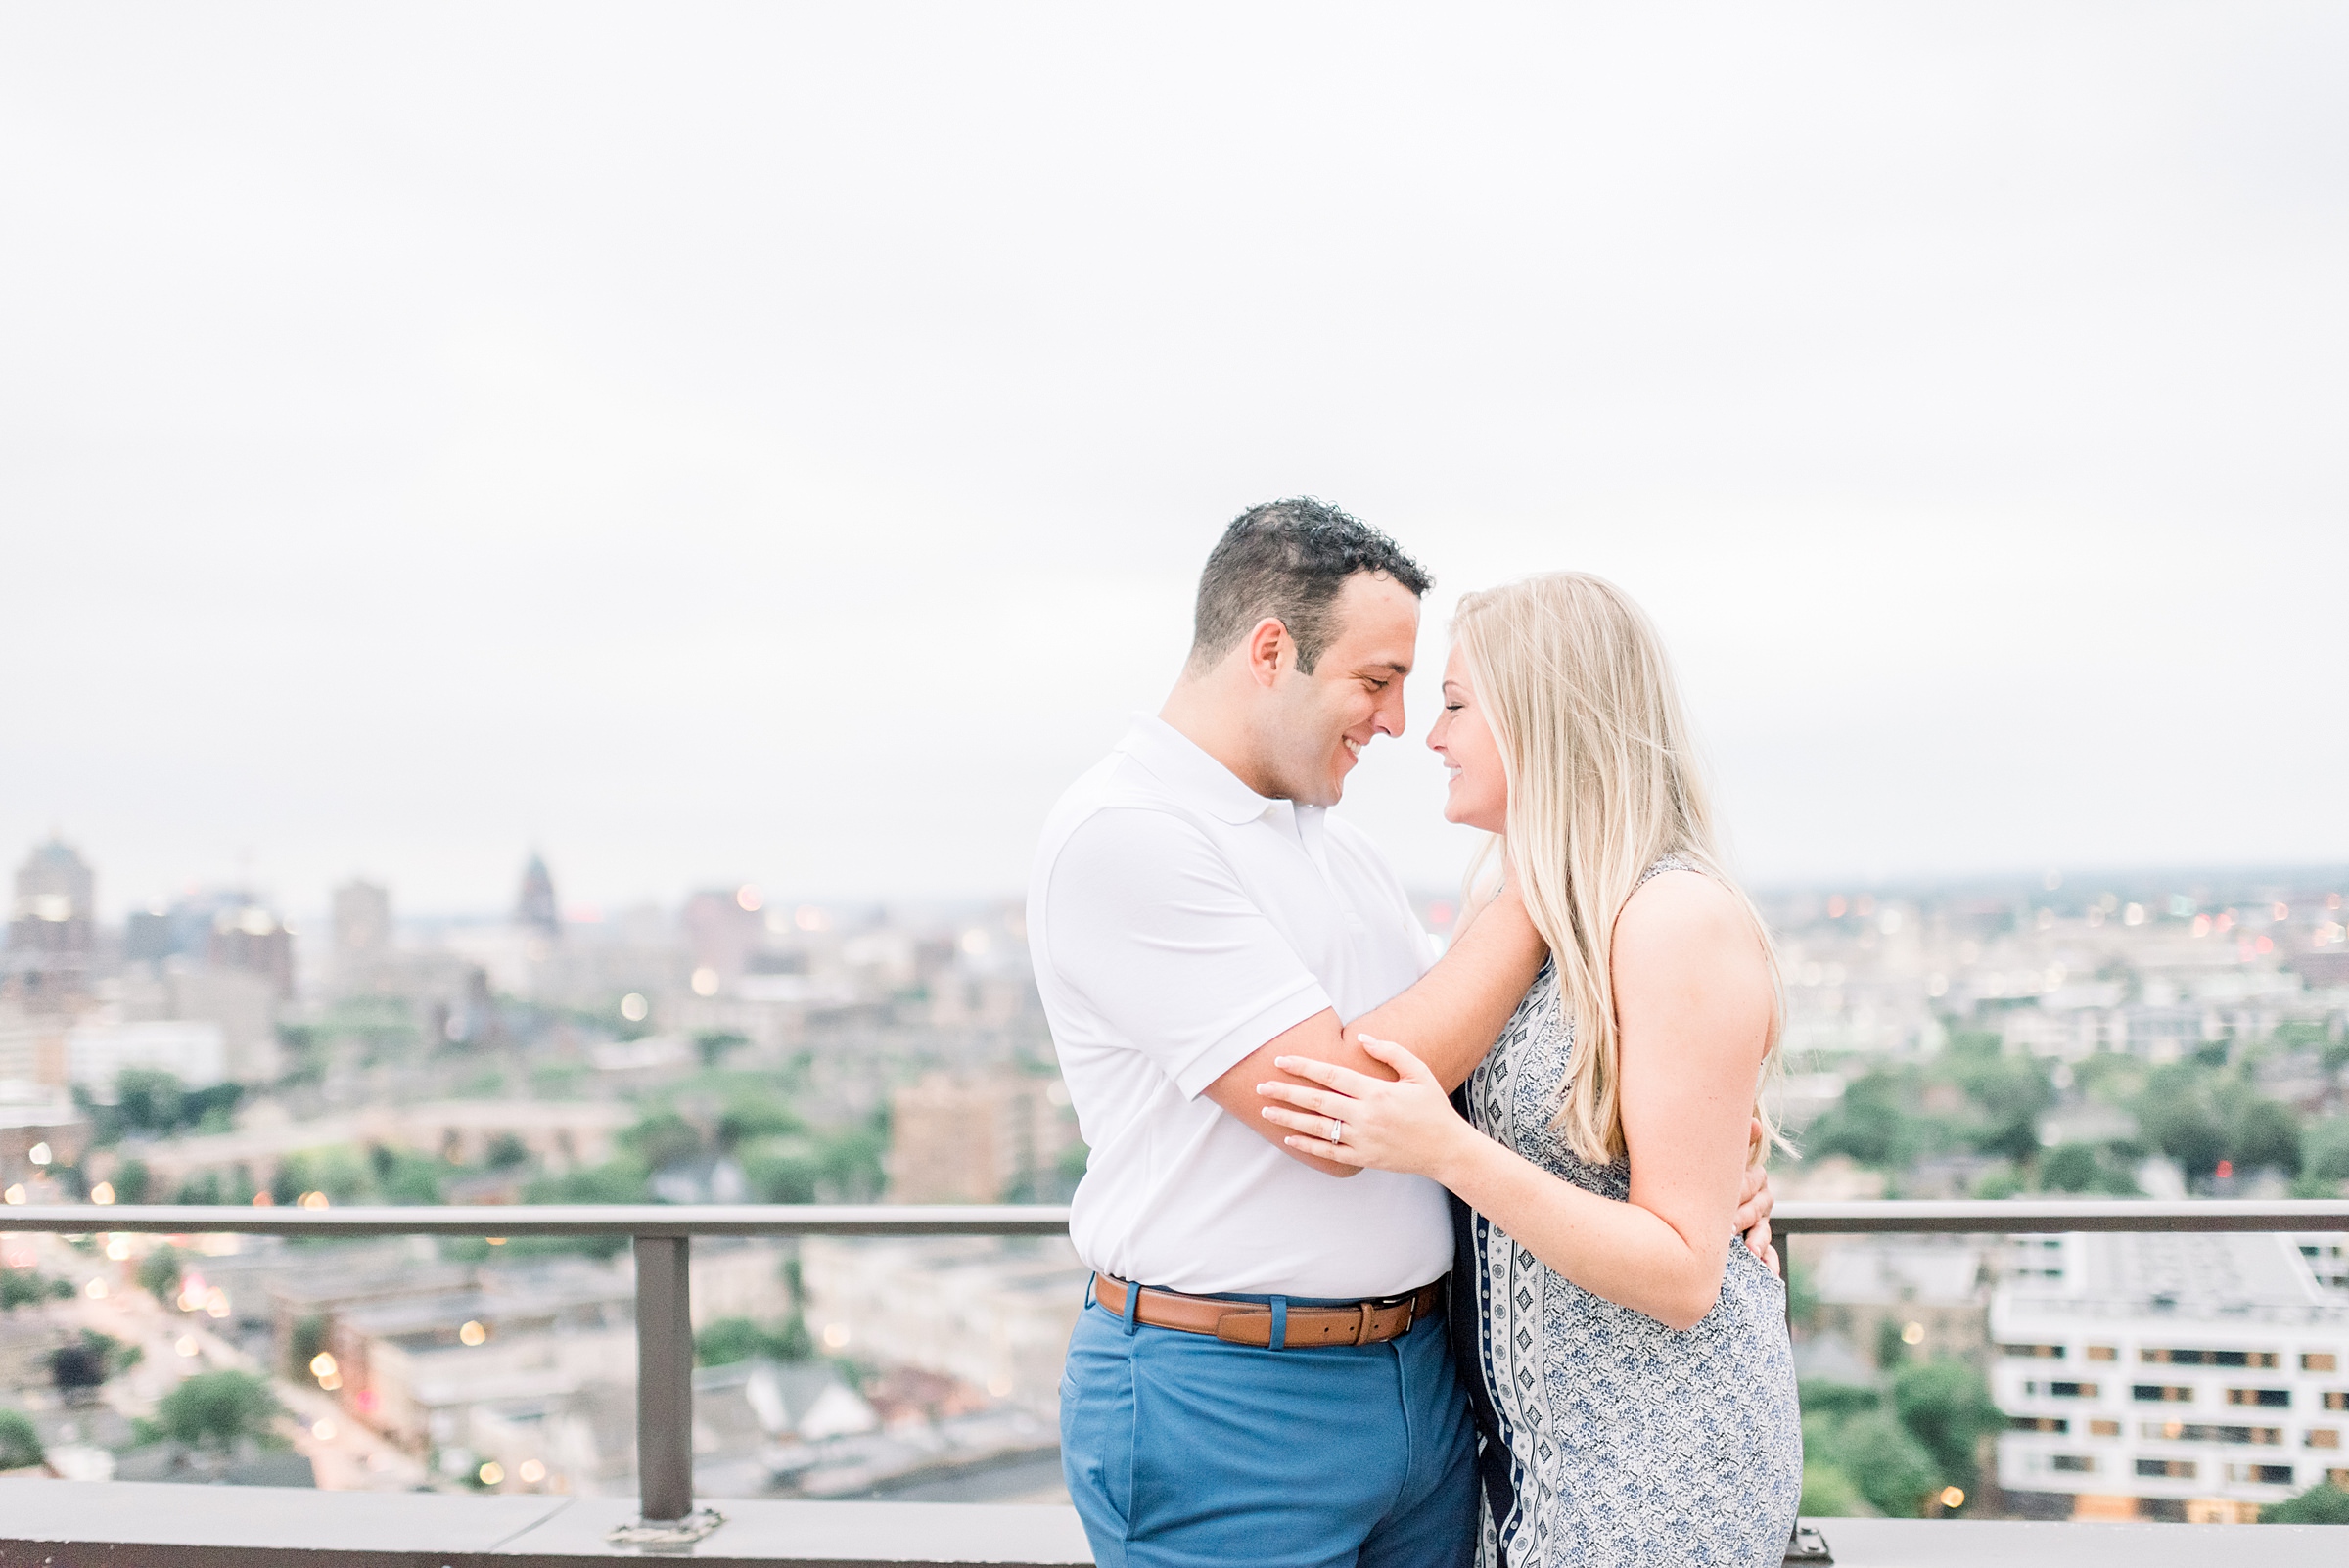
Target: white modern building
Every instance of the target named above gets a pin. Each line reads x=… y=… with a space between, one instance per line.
x=194 y=1051
x=2172 y=1375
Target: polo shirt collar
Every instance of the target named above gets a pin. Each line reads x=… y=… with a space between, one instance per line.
x=1179 y=762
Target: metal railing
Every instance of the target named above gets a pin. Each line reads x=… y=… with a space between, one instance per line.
x=661 y=1235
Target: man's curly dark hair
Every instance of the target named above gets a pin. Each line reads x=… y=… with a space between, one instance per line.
x=1287 y=561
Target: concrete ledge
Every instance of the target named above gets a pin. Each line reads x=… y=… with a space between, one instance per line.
x=134 y=1524
x=131 y=1524
x=823 y=1535
x=2019 y=1543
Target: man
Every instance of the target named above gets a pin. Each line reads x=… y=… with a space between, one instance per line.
x=1260 y=1373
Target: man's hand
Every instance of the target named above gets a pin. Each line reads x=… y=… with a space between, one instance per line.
x=1755 y=1201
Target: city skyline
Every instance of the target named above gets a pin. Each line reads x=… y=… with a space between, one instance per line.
x=570 y=468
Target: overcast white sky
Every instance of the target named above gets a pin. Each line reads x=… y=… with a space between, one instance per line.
x=725 y=442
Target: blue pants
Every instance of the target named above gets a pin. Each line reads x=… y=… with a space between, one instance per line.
x=1185 y=1451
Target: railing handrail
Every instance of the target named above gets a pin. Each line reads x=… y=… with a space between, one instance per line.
x=661 y=1234
x=548 y=1220
x=1884 y=1216
x=2024 y=1216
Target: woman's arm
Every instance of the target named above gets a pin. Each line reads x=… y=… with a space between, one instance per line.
x=1692 y=1003
x=1453 y=1013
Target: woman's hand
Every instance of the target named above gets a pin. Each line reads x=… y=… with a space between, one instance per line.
x=1358 y=1119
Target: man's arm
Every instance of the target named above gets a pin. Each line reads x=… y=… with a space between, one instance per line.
x=1455 y=1011
x=1449 y=1018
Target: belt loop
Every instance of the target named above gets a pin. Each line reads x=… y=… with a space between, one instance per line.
x=1361 y=1330
x=1280 y=1323
x=1133 y=1304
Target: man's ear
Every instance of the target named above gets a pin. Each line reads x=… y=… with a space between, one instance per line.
x=1267 y=647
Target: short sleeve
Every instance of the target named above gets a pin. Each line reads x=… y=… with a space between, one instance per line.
x=1150 y=925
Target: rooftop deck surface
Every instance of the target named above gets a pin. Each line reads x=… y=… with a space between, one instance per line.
x=66 y=1524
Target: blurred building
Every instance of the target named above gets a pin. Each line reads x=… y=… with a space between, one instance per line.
x=990 y=1313
x=32 y=1045
x=242 y=1004
x=412 y=1369
x=1933 y=1294
x=362 y=921
x=534 y=908
x=41 y=1129
x=987 y=1139
x=52 y=929
x=723 y=930
x=2180 y=1376
x=194 y=1052
x=249 y=936
x=560 y=1135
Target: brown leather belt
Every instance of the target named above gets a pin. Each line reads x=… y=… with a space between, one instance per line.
x=1250 y=1322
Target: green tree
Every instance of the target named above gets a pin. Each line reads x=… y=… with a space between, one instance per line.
x=1999 y=1182
x=340 y=1173
x=783 y=1169
x=2322 y=1504
x=1947 y=1406
x=2085 y=1167
x=2266 y=1136
x=2302 y=1035
x=217 y=1408
x=614 y=1181
x=133 y=1182
x=1871 y=1125
x=662 y=1139
x=739 y=1339
x=1891 y=1469
x=1830 y=1493
x=20 y=1441
x=2324 y=1149
x=717 y=1044
x=22 y=1288
x=2174 y=1112
x=2009 y=1093
x=148 y=1099
x=851 y=1160
x=87 y=1363
x=160 y=1273
x=619 y=1181
x=752 y=1116
x=403 y=1176
x=1891 y=1349
x=1818 y=1395
x=202 y=1189
x=303 y=1343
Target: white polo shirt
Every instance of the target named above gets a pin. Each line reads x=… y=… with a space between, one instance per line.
x=1178 y=922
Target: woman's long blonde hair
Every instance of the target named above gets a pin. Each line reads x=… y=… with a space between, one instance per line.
x=1603 y=782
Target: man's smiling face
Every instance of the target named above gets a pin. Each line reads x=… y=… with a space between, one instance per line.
x=1322 y=720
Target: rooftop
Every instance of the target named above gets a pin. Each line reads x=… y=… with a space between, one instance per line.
x=2216 y=1276
x=216 y=1524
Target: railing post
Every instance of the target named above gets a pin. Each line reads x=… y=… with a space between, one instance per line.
x=663 y=1377
x=1806 y=1548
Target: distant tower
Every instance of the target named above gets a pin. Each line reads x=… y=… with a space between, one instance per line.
x=247 y=936
x=362 y=920
x=52 y=925
x=536 y=909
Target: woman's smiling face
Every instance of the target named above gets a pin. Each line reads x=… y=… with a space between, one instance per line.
x=1480 y=790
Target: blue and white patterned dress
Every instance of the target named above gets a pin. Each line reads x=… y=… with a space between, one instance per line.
x=1606 y=1437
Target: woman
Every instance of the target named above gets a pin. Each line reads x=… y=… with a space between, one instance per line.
x=1638 y=1391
